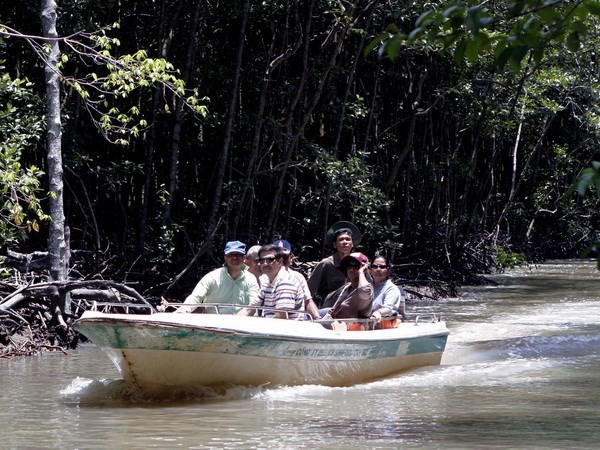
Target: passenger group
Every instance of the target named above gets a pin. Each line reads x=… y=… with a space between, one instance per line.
x=344 y=285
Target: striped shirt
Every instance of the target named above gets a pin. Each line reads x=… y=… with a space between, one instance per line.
x=284 y=292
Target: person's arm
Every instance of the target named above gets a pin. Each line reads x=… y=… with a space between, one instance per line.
x=331 y=299
x=314 y=280
x=253 y=289
x=311 y=308
x=365 y=292
x=401 y=305
x=255 y=301
x=392 y=301
x=198 y=295
x=309 y=304
x=389 y=296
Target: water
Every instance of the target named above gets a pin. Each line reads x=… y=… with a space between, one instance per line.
x=521 y=370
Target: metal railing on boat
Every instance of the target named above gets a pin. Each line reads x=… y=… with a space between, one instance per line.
x=227 y=308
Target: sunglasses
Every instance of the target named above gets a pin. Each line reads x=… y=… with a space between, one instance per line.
x=353 y=266
x=378 y=266
x=267 y=260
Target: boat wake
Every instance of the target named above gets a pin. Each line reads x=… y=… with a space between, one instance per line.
x=107 y=392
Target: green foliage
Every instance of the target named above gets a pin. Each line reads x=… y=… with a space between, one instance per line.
x=590 y=178
x=118 y=78
x=507 y=259
x=166 y=249
x=354 y=195
x=464 y=151
x=512 y=32
x=115 y=78
x=554 y=37
x=21 y=126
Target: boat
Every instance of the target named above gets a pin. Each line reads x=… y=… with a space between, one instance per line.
x=164 y=350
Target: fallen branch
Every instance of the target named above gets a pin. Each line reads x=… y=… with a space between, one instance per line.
x=38 y=317
x=90 y=289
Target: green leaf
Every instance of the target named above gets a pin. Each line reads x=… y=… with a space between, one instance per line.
x=393 y=46
x=473 y=21
x=502 y=55
x=459 y=51
x=515 y=8
x=375 y=42
x=427 y=18
x=578 y=26
x=516 y=56
x=453 y=11
x=549 y=15
x=573 y=41
x=592 y=6
x=414 y=34
x=472 y=51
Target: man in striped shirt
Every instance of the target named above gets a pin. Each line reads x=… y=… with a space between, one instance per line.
x=279 y=289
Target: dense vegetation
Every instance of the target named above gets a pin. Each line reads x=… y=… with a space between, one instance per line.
x=449 y=167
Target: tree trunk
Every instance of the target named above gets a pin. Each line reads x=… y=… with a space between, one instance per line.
x=58 y=247
x=417 y=83
x=174 y=162
x=230 y=115
x=342 y=118
x=164 y=44
x=338 y=35
x=272 y=64
x=509 y=202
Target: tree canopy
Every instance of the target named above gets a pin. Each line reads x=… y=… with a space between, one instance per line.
x=312 y=112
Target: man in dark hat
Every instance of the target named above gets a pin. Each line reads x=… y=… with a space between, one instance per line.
x=326 y=277
x=355 y=299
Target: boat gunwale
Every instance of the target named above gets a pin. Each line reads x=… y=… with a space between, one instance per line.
x=341 y=337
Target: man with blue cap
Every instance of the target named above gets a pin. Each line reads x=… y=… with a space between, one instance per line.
x=231 y=283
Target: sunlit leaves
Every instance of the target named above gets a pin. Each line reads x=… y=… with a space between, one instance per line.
x=590 y=178
x=513 y=32
x=21 y=126
x=116 y=78
x=360 y=196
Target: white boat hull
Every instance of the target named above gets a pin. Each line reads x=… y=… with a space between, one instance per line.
x=165 y=350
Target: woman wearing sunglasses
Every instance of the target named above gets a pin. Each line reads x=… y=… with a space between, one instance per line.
x=354 y=300
x=389 y=299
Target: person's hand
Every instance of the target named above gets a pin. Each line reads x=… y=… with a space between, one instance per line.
x=339 y=326
x=376 y=315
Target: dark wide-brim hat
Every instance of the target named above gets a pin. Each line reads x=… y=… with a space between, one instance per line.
x=339 y=227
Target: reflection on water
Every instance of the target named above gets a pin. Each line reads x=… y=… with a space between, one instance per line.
x=521 y=370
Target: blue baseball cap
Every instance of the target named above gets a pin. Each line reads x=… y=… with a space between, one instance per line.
x=235 y=247
x=284 y=245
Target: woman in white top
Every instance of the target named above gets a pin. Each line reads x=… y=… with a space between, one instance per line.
x=389 y=300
